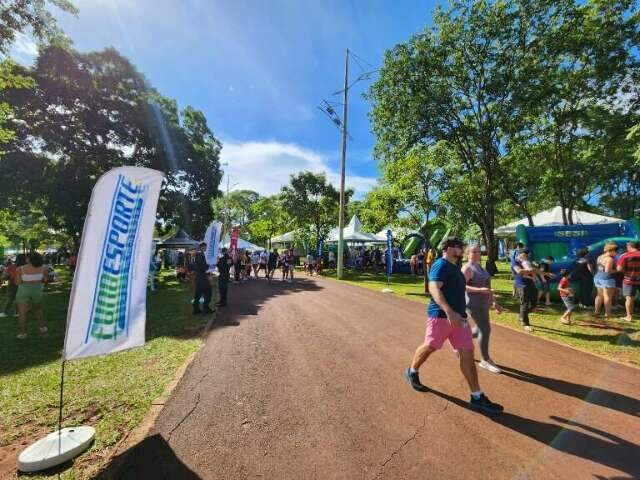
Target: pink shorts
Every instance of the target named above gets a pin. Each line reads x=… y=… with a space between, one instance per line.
x=440 y=329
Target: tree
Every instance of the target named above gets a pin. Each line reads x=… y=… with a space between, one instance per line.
x=268 y=219
x=236 y=208
x=313 y=204
x=89 y=113
x=16 y=17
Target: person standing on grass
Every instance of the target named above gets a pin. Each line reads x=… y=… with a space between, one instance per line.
x=10 y=273
x=480 y=300
x=523 y=282
x=567 y=296
x=629 y=265
x=446 y=320
x=545 y=277
x=31 y=279
x=583 y=274
x=224 y=268
x=201 y=286
x=605 y=280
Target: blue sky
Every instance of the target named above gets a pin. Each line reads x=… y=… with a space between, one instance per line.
x=258 y=69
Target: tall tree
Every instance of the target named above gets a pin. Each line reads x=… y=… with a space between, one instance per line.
x=268 y=219
x=313 y=203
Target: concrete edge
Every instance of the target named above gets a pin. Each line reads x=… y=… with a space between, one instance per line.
x=510 y=327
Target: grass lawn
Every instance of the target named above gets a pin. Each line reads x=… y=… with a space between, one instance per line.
x=112 y=393
x=616 y=340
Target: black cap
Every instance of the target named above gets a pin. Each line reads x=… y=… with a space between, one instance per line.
x=203 y=244
x=525 y=250
x=451 y=242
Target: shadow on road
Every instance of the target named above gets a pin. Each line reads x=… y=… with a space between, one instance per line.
x=581 y=441
x=594 y=395
x=247 y=298
x=154 y=458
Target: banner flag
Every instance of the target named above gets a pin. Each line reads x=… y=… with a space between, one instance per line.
x=320 y=248
x=107 y=309
x=212 y=239
x=233 y=244
x=389 y=252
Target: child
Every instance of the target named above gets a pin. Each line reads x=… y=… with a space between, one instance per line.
x=566 y=294
x=545 y=276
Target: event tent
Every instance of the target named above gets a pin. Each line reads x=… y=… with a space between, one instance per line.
x=288 y=237
x=242 y=244
x=180 y=239
x=552 y=217
x=353 y=233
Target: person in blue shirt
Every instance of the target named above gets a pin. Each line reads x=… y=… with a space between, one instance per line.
x=447 y=320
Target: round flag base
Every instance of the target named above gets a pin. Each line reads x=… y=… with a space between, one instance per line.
x=387 y=290
x=56 y=448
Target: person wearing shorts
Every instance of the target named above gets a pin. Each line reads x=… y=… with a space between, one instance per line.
x=605 y=280
x=291 y=264
x=447 y=320
x=629 y=266
x=567 y=296
x=264 y=258
x=272 y=263
x=31 y=279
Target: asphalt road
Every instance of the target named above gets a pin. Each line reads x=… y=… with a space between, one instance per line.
x=304 y=381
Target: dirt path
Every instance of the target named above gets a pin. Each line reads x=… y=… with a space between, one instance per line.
x=304 y=381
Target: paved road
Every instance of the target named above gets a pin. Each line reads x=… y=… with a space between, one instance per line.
x=304 y=381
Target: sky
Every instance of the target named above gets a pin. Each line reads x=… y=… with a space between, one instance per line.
x=258 y=70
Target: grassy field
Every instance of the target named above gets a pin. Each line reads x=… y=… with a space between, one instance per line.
x=112 y=393
x=616 y=340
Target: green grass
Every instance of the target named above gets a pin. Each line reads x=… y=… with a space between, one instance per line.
x=112 y=393
x=616 y=340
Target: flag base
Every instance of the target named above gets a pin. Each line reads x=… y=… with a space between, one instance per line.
x=56 y=448
x=387 y=290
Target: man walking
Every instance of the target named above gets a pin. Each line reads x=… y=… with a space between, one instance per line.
x=447 y=320
x=224 y=267
x=201 y=282
x=629 y=265
x=272 y=263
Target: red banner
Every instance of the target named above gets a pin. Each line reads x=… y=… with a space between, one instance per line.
x=235 y=233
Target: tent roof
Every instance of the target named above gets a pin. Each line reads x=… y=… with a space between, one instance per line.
x=352 y=233
x=553 y=216
x=242 y=244
x=284 y=238
x=180 y=239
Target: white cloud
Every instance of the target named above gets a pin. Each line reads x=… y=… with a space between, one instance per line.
x=265 y=167
x=231 y=89
x=24 y=49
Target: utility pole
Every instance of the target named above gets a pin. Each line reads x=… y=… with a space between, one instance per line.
x=342 y=163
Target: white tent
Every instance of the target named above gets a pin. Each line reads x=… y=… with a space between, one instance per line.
x=552 y=217
x=288 y=237
x=353 y=233
x=242 y=244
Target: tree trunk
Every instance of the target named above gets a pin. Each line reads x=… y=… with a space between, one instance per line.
x=529 y=219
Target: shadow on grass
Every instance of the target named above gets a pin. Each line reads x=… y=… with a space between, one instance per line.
x=168 y=315
x=613 y=339
x=582 y=440
x=593 y=395
x=154 y=459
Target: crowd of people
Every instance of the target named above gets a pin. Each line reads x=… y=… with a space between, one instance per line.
x=615 y=276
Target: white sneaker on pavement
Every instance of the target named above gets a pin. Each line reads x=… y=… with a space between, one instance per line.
x=489 y=365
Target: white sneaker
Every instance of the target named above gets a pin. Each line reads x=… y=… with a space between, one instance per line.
x=528 y=328
x=489 y=365
x=2 y=314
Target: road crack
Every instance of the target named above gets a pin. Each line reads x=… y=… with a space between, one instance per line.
x=409 y=440
x=185 y=417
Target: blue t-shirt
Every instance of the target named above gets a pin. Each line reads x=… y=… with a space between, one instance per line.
x=453 y=288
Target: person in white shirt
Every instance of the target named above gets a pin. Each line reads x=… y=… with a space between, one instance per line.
x=264 y=257
x=309 y=264
x=255 y=261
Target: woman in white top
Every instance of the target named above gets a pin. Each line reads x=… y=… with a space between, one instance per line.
x=31 y=279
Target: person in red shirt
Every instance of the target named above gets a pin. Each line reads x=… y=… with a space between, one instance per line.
x=629 y=265
x=567 y=296
x=10 y=274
